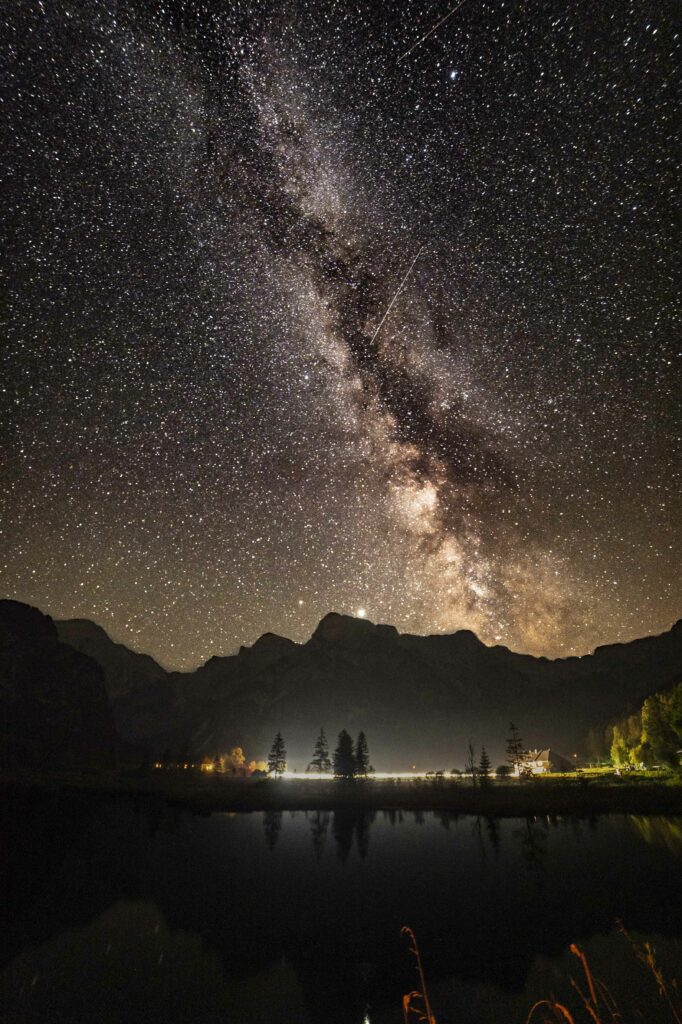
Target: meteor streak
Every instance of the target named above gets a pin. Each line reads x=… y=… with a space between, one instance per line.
x=398 y=291
x=431 y=31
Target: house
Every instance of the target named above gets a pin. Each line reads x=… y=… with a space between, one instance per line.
x=537 y=762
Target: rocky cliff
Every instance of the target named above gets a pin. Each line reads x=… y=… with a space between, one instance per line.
x=54 y=709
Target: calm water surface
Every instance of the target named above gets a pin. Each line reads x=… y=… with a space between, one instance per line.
x=122 y=912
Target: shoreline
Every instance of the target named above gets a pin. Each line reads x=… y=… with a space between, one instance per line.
x=528 y=799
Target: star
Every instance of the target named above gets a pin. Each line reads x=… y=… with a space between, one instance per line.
x=280 y=318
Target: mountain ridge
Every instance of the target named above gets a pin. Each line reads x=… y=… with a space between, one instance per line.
x=268 y=634
x=353 y=673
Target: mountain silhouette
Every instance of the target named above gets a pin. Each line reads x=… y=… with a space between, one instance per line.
x=419 y=699
x=54 y=711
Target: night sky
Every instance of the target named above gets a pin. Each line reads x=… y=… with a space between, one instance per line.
x=219 y=419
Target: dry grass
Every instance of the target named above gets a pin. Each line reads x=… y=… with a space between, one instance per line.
x=416 y=1003
x=597 y=1004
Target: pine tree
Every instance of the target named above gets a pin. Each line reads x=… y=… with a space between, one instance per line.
x=277 y=758
x=344 y=760
x=484 y=767
x=361 y=756
x=515 y=749
x=320 y=760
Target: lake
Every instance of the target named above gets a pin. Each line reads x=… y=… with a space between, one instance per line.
x=121 y=910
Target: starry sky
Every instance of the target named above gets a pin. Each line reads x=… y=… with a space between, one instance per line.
x=303 y=311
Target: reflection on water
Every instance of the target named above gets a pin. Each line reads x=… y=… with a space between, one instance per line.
x=272 y=826
x=319 y=824
x=350 y=828
x=665 y=832
x=118 y=911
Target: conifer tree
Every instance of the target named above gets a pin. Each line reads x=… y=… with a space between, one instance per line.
x=277 y=758
x=515 y=749
x=320 y=761
x=484 y=767
x=361 y=756
x=344 y=759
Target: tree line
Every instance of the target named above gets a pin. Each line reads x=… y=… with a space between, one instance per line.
x=481 y=770
x=351 y=761
x=653 y=735
x=348 y=761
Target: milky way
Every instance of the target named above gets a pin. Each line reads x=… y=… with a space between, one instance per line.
x=297 y=323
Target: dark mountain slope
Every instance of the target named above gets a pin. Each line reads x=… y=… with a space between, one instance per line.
x=419 y=698
x=143 y=702
x=54 y=711
x=124 y=670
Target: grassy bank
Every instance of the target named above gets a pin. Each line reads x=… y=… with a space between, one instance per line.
x=205 y=794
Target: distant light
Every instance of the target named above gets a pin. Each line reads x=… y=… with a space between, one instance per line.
x=361 y=613
x=453 y=74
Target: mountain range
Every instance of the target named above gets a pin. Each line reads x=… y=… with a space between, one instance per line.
x=419 y=699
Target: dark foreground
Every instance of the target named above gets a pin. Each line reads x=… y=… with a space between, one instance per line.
x=128 y=909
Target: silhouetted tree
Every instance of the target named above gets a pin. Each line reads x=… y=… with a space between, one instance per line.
x=277 y=758
x=321 y=761
x=515 y=749
x=470 y=763
x=484 y=767
x=361 y=756
x=503 y=771
x=344 y=759
x=596 y=746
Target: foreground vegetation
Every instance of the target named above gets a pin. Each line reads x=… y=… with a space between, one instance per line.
x=592 y=1001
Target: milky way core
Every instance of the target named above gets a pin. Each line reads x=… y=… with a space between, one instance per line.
x=300 y=316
